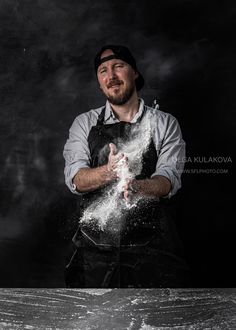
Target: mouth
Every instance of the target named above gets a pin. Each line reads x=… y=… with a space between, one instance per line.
x=114 y=84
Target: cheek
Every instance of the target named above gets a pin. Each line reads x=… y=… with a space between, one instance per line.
x=129 y=75
x=101 y=83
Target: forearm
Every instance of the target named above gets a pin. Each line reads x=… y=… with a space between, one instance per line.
x=89 y=179
x=158 y=186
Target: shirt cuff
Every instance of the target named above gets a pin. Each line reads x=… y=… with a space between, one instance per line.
x=69 y=177
x=175 y=185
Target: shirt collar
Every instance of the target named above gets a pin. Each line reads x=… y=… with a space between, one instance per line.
x=111 y=118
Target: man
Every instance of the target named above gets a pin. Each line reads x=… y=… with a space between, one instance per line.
x=125 y=161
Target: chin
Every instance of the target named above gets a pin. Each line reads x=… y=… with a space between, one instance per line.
x=120 y=97
x=118 y=100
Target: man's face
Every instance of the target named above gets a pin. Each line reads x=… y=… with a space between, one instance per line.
x=116 y=79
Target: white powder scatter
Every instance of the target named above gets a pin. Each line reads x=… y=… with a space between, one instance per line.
x=111 y=205
x=148 y=327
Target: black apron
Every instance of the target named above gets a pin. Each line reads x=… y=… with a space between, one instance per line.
x=140 y=250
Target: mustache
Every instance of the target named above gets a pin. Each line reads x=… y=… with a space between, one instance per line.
x=114 y=82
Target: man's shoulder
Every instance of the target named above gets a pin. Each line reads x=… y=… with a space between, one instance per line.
x=88 y=118
x=90 y=114
x=159 y=114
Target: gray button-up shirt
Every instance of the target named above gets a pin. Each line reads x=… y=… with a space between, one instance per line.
x=167 y=139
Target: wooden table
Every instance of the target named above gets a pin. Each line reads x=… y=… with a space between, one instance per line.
x=131 y=309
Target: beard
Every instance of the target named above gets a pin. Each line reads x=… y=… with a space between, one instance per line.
x=123 y=97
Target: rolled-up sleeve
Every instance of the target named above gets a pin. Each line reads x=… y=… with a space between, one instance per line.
x=76 y=151
x=171 y=155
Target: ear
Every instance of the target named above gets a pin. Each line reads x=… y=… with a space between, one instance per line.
x=136 y=74
x=99 y=85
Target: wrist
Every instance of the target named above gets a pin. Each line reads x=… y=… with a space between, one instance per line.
x=108 y=174
x=135 y=186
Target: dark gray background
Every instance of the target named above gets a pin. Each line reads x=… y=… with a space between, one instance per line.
x=186 y=52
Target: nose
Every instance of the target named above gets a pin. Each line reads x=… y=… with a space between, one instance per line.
x=111 y=74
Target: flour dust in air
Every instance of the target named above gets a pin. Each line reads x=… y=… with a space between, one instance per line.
x=111 y=205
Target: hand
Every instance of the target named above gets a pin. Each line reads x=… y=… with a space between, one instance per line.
x=130 y=189
x=114 y=161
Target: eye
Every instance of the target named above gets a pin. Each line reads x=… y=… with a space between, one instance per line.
x=119 y=65
x=103 y=70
